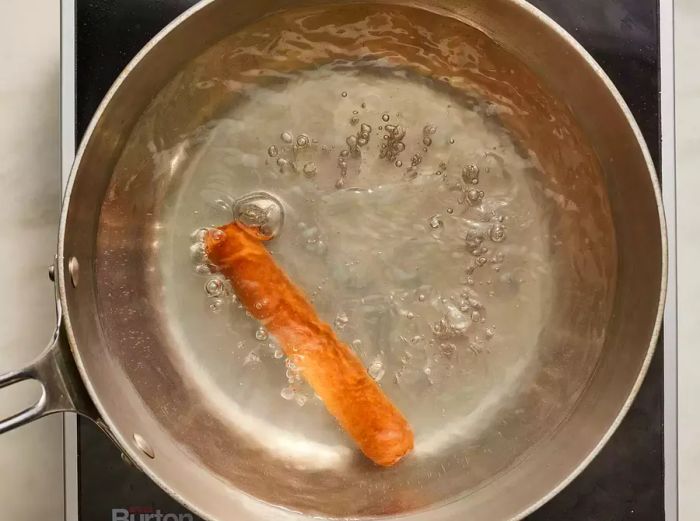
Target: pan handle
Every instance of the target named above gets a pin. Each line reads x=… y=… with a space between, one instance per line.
x=62 y=387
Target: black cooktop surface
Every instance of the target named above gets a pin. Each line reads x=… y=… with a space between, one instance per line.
x=625 y=482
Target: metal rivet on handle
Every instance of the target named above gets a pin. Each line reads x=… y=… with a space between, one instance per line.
x=144 y=446
x=74 y=270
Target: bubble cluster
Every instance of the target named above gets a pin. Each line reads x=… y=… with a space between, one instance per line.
x=470 y=174
x=354 y=143
x=341 y=320
x=198 y=255
x=497 y=233
x=474 y=196
x=454 y=323
x=310 y=169
x=393 y=144
x=376 y=369
x=294 y=389
x=261 y=334
x=435 y=222
x=428 y=132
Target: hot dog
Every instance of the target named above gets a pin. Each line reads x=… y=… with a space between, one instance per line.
x=332 y=369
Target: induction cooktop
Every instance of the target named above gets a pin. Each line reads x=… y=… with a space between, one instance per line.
x=634 y=476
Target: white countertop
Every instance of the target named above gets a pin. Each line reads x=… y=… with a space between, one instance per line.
x=688 y=214
x=31 y=480
x=31 y=458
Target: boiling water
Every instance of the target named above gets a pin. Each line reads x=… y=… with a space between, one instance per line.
x=435 y=271
x=428 y=208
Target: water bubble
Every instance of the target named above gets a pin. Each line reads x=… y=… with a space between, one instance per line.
x=300 y=399
x=344 y=94
x=376 y=369
x=214 y=287
x=343 y=153
x=202 y=269
x=476 y=316
x=356 y=344
x=450 y=211
x=224 y=205
x=386 y=117
x=434 y=222
x=427 y=141
x=272 y=151
x=474 y=196
x=340 y=183
x=364 y=105
x=287 y=393
x=481 y=261
x=310 y=169
x=497 y=233
x=365 y=128
x=262 y=211
x=215 y=305
x=421 y=298
x=362 y=141
x=398 y=163
x=470 y=174
x=199 y=234
x=282 y=163
x=286 y=137
x=429 y=130
x=441 y=329
x=354 y=120
x=352 y=142
x=490 y=332
x=251 y=358
x=473 y=239
x=261 y=334
x=341 y=320
x=448 y=350
x=302 y=141
x=400 y=146
x=278 y=353
x=197 y=253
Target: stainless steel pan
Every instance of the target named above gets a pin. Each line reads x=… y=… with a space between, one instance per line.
x=111 y=358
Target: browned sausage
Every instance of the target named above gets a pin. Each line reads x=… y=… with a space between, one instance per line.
x=332 y=369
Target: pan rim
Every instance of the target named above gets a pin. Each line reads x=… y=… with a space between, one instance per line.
x=528 y=9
